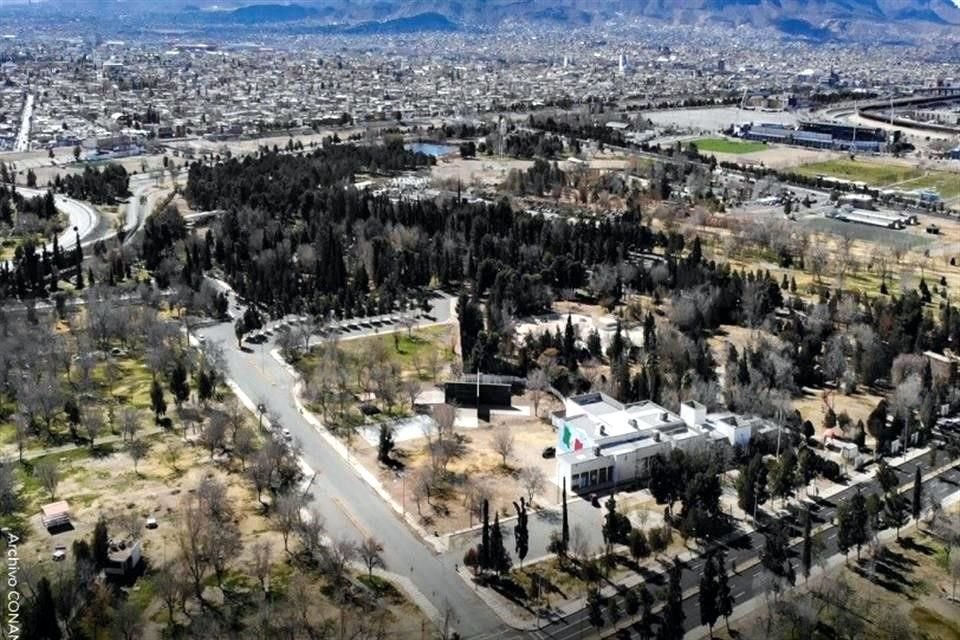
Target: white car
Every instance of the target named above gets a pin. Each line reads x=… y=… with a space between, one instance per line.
x=287 y=435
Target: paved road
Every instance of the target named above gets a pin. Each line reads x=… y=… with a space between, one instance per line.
x=349 y=507
x=82 y=216
x=752 y=582
x=23 y=136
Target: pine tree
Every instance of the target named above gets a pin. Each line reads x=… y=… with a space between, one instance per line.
x=520 y=533
x=499 y=558
x=895 y=511
x=485 y=556
x=101 y=543
x=42 y=623
x=595 y=608
x=564 y=523
x=708 y=595
x=157 y=401
x=724 y=595
x=673 y=615
x=917 y=495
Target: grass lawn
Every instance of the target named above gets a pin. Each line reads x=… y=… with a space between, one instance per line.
x=880 y=174
x=723 y=145
x=405 y=348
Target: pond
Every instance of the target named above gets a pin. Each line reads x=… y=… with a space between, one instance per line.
x=431 y=149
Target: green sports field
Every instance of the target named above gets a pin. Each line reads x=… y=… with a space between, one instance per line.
x=723 y=145
x=879 y=174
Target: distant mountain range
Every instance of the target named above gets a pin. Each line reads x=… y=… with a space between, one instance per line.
x=818 y=19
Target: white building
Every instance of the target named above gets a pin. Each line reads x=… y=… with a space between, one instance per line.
x=602 y=442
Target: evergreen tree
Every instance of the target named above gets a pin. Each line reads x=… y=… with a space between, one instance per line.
x=179 y=385
x=895 y=511
x=806 y=556
x=520 y=533
x=673 y=615
x=157 y=401
x=564 y=523
x=499 y=558
x=708 y=595
x=385 y=443
x=485 y=555
x=205 y=385
x=595 y=608
x=724 y=595
x=42 y=623
x=915 y=505
x=615 y=526
x=101 y=543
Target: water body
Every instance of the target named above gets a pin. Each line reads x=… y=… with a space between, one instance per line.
x=431 y=149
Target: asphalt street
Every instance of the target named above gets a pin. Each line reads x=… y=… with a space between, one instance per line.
x=753 y=581
x=349 y=507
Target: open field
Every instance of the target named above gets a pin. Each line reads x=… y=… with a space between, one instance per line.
x=724 y=145
x=887 y=174
x=474 y=468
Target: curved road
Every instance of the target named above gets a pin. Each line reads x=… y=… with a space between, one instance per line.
x=347 y=504
x=84 y=217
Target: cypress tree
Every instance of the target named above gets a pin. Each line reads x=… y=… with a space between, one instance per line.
x=708 y=595
x=806 y=558
x=724 y=595
x=485 y=538
x=520 y=533
x=917 y=495
x=564 y=523
x=673 y=615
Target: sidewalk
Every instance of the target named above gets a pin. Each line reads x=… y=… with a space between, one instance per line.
x=30 y=454
x=507 y=610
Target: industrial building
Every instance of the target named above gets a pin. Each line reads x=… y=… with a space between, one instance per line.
x=602 y=443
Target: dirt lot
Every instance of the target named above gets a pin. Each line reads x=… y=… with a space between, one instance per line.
x=476 y=465
x=779 y=157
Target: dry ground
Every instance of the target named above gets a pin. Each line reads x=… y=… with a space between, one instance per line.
x=910 y=585
x=477 y=464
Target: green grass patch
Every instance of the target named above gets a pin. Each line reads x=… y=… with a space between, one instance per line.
x=380 y=587
x=724 y=145
x=878 y=174
x=405 y=349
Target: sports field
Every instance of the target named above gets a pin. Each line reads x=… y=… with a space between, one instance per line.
x=723 y=145
x=880 y=174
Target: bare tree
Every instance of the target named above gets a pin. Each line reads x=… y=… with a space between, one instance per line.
x=47 y=473
x=336 y=559
x=422 y=486
x=137 y=449
x=411 y=391
x=536 y=384
x=244 y=445
x=371 y=553
x=129 y=422
x=310 y=533
x=21 y=425
x=503 y=443
x=170 y=585
x=286 y=516
x=434 y=363
x=262 y=553
x=214 y=434
x=533 y=481
x=93 y=424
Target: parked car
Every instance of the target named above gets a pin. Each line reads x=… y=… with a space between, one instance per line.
x=549 y=452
